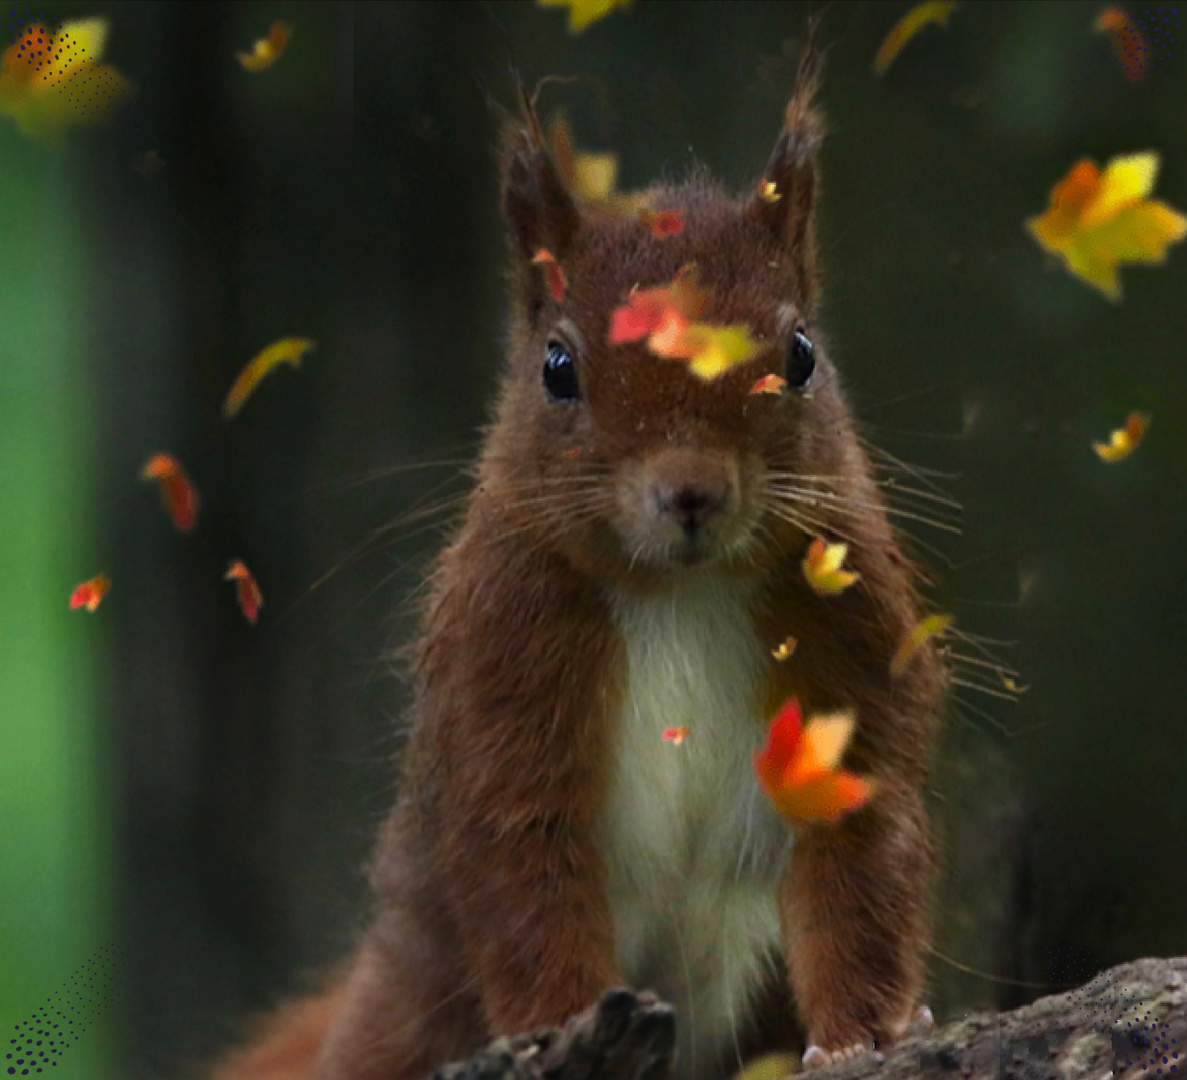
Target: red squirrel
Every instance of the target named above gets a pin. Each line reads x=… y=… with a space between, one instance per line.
x=628 y=560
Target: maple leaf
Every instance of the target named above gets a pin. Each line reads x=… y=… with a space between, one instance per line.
x=553 y=273
x=784 y=649
x=51 y=82
x=1129 y=46
x=177 y=493
x=1097 y=221
x=907 y=27
x=584 y=12
x=90 y=593
x=769 y=384
x=662 y=223
x=822 y=568
x=932 y=626
x=288 y=350
x=768 y=192
x=798 y=767
x=590 y=177
x=675 y=735
x=246 y=590
x=713 y=350
x=267 y=50
x=1124 y=441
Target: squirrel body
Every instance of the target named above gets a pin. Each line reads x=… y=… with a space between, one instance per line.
x=547 y=843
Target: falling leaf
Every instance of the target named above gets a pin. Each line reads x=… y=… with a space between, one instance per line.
x=769 y=384
x=557 y=282
x=1010 y=684
x=51 y=82
x=822 y=568
x=768 y=192
x=770 y=1067
x=574 y=452
x=248 y=592
x=798 y=767
x=590 y=177
x=907 y=27
x=584 y=12
x=1124 y=441
x=149 y=163
x=1098 y=220
x=784 y=649
x=662 y=223
x=932 y=626
x=1129 y=46
x=268 y=50
x=664 y=316
x=676 y=735
x=177 y=493
x=713 y=350
x=89 y=593
x=288 y=350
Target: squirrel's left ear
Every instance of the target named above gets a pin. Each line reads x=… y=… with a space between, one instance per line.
x=539 y=208
x=787 y=209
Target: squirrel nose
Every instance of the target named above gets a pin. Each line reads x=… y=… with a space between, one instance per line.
x=691 y=505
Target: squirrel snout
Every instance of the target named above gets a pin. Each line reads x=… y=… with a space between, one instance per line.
x=689 y=487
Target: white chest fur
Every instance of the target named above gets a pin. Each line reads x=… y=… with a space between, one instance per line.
x=693 y=848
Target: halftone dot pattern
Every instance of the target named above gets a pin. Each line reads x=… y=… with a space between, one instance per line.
x=40 y=46
x=1136 y=1038
x=36 y=1045
x=1160 y=27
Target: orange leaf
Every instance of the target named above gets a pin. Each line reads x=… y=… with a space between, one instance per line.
x=574 y=452
x=1129 y=46
x=676 y=735
x=288 y=350
x=268 y=50
x=784 y=649
x=89 y=593
x=907 y=27
x=822 y=568
x=248 y=592
x=1098 y=220
x=769 y=384
x=662 y=223
x=1125 y=441
x=177 y=493
x=798 y=767
x=929 y=627
x=768 y=192
x=553 y=274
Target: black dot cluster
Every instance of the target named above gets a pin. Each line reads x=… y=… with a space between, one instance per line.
x=1136 y=1039
x=39 y=1042
x=40 y=48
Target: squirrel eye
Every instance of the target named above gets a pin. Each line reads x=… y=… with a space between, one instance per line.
x=560 y=374
x=801 y=361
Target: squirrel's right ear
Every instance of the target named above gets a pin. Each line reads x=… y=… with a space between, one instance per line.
x=539 y=208
x=787 y=210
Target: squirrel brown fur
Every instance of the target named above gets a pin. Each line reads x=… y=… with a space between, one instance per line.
x=547 y=844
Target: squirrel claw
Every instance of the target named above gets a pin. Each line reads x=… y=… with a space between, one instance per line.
x=921 y=1023
x=816 y=1057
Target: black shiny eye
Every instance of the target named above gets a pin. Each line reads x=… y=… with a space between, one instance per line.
x=560 y=374
x=801 y=361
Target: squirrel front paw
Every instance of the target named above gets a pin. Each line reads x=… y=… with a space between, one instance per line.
x=816 y=1056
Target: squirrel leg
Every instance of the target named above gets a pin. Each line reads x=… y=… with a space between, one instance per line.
x=855 y=922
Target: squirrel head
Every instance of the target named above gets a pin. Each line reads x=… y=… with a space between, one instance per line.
x=629 y=462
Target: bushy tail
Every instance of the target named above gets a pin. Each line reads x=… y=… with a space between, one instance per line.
x=286 y=1045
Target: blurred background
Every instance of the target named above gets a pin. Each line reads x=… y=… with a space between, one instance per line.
x=199 y=795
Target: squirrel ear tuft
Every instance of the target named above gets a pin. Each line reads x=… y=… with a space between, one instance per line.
x=538 y=207
x=788 y=212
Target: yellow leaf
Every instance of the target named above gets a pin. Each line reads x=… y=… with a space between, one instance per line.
x=907 y=27
x=770 y=1067
x=784 y=649
x=822 y=568
x=50 y=82
x=932 y=626
x=1124 y=441
x=584 y=12
x=713 y=350
x=288 y=350
x=268 y=50
x=1096 y=221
